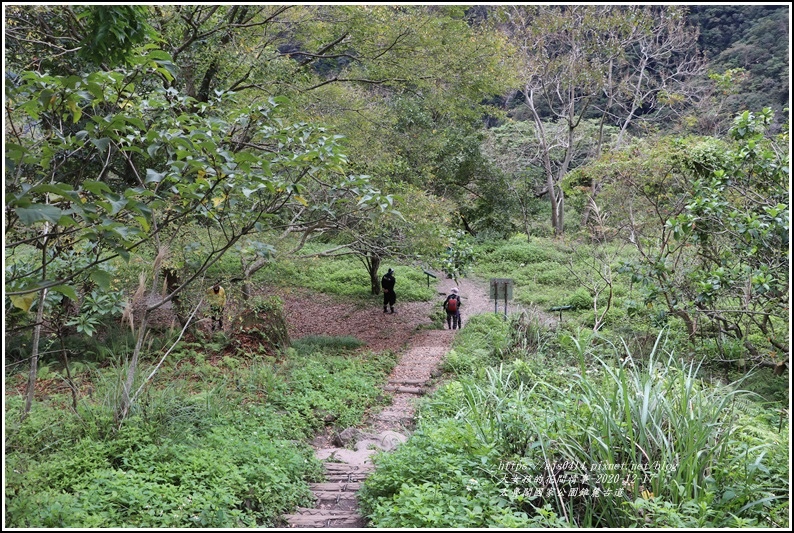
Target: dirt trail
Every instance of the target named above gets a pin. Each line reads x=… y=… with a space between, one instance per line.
x=421 y=358
x=420 y=351
x=347 y=456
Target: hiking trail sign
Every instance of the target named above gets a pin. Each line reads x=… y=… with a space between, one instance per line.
x=501 y=289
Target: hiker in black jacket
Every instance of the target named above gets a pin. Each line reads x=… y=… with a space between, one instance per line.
x=452 y=307
x=389 y=297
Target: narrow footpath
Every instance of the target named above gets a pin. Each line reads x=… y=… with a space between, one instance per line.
x=348 y=457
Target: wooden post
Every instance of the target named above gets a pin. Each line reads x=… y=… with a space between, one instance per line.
x=505 y=300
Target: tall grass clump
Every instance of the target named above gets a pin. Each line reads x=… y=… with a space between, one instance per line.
x=662 y=440
x=494 y=408
x=581 y=439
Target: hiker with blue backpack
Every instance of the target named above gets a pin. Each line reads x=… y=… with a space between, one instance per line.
x=452 y=307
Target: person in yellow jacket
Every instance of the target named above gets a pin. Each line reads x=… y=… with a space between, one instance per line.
x=216 y=297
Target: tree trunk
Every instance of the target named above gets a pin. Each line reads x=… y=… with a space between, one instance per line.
x=34 y=355
x=466 y=226
x=556 y=195
x=559 y=214
x=170 y=284
x=248 y=272
x=373 y=264
x=246 y=291
x=691 y=325
x=69 y=380
x=34 y=349
x=214 y=67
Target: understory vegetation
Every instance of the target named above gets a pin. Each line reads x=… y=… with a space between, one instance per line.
x=220 y=439
x=540 y=430
x=625 y=167
x=534 y=425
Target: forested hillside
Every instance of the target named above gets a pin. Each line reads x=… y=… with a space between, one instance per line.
x=755 y=39
x=625 y=167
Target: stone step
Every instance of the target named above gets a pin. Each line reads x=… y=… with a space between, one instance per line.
x=340 y=487
x=347 y=478
x=408 y=381
x=394 y=418
x=337 y=505
x=333 y=496
x=305 y=517
x=406 y=390
x=345 y=468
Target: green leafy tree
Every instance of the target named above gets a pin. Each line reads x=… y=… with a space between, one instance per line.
x=458 y=257
x=711 y=224
x=407 y=86
x=112 y=32
x=105 y=163
x=424 y=130
x=513 y=148
x=352 y=207
x=69 y=39
x=301 y=51
x=409 y=227
x=711 y=115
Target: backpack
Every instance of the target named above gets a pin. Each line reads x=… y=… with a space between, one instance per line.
x=452 y=304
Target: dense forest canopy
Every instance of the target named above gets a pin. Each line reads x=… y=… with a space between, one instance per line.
x=130 y=127
x=125 y=126
x=755 y=39
x=153 y=149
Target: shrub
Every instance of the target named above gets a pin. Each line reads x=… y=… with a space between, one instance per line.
x=478 y=345
x=226 y=450
x=37 y=434
x=398 y=493
x=581 y=299
x=263 y=321
x=228 y=479
x=519 y=251
x=462 y=363
x=331 y=389
x=549 y=273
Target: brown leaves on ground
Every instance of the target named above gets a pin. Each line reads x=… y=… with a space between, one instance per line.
x=311 y=313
